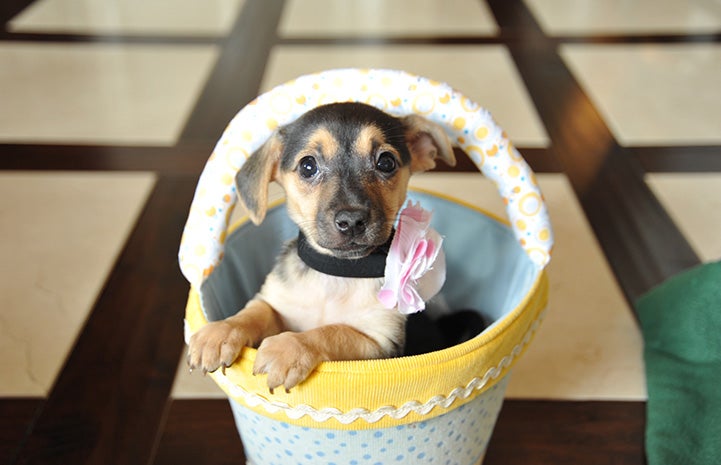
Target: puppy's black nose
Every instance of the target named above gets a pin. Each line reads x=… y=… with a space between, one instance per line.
x=351 y=222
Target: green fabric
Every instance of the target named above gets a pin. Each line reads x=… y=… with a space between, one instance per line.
x=681 y=324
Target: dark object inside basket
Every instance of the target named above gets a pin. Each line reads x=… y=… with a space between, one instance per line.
x=426 y=333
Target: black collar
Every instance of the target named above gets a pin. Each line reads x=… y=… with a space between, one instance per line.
x=370 y=266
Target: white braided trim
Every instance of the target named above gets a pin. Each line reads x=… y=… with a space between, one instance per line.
x=294 y=413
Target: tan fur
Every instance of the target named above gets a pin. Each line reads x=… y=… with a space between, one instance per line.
x=424 y=136
x=369 y=135
x=259 y=170
x=302 y=317
x=323 y=139
x=333 y=300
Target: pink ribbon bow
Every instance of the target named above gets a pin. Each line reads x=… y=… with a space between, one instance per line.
x=415 y=267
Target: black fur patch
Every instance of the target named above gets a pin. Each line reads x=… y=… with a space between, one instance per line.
x=344 y=121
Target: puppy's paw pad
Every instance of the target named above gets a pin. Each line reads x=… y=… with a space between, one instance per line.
x=286 y=359
x=216 y=345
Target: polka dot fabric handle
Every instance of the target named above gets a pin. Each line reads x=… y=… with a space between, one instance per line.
x=396 y=92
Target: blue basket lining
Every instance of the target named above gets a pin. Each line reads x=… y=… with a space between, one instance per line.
x=487 y=270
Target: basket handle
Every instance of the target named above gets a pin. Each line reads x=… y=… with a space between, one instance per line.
x=396 y=92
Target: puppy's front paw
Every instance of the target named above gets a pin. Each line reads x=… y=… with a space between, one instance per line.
x=286 y=359
x=216 y=345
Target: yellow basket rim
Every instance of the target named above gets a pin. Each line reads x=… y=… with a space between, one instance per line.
x=304 y=406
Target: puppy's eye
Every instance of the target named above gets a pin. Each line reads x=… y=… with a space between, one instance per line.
x=386 y=163
x=308 y=167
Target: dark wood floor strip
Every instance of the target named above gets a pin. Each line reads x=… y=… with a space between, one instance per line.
x=527 y=432
x=188 y=159
x=540 y=160
x=17 y=416
x=46 y=37
x=200 y=431
x=163 y=160
x=684 y=159
x=107 y=403
x=236 y=78
x=9 y=9
x=641 y=242
x=503 y=37
x=689 y=38
x=562 y=432
x=391 y=40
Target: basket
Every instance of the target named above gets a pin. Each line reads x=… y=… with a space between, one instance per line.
x=438 y=407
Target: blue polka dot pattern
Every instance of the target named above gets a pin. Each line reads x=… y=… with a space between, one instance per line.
x=458 y=437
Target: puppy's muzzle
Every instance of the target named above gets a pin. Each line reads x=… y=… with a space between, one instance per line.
x=352 y=222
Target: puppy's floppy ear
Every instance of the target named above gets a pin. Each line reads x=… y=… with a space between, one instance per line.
x=426 y=141
x=254 y=176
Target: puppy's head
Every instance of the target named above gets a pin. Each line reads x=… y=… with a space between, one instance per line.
x=345 y=169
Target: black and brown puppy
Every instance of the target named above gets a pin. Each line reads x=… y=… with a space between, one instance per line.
x=345 y=169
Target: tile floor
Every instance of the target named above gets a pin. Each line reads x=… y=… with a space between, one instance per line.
x=619 y=17
x=507 y=99
x=100 y=93
x=61 y=235
x=132 y=17
x=670 y=98
x=97 y=173
x=694 y=202
x=363 y=18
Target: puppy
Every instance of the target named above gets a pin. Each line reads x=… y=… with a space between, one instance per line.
x=345 y=169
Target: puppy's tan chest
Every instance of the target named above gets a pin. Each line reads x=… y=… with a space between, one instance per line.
x=315 y=299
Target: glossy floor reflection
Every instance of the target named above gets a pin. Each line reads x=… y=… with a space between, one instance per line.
x=394 y=18
x=99 y=93
x=157 y=18
x=484 y=73
x=652 y=95
x=626 y=18
x=694 y=202
x=61 y=234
